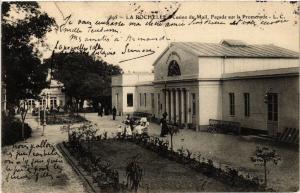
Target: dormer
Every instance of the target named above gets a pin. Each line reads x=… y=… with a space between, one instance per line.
x=233 y=43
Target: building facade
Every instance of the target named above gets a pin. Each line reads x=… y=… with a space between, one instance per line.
x=51 y=98
x=255 y=85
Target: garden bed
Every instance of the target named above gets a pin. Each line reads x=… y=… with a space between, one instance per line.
x=57 y=119
x=162 y=173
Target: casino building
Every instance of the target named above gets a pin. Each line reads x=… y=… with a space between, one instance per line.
x=255 y=85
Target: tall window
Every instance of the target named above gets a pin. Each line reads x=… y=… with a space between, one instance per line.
x=152 y=100
x=43 y=103
x=272 y=107
x=194 y=103
x=231 y=104
x=145 y=94
x=129 y=100
x=140 y=99
x=117 y=100
x=158 y=102
x=53 y=103
x=247 y=104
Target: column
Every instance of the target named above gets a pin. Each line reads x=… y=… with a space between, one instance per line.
x=172 y=106
x=169 y=105
x=167 y=102
x=188 y=108
x=182 y=106
x=177 y=105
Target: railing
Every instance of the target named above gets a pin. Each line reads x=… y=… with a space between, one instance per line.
x=221 y=126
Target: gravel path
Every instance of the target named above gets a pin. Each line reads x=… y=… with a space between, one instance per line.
x=65 y=181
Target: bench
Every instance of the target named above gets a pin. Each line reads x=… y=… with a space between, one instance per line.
x=221 y=126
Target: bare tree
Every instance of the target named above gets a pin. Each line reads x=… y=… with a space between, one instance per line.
x=262 y=156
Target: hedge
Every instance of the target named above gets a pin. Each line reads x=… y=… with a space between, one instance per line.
x=12 y=130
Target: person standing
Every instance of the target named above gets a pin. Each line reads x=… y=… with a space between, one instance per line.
x=101 y=111
x=114 y=113
x=99 y=108
x=164 y=125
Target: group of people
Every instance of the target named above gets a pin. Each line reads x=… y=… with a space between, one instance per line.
x=142 y=125
x=101 y=111
x=132 y=127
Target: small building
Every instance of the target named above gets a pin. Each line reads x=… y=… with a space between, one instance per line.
x=51 y=98
x=255 y=85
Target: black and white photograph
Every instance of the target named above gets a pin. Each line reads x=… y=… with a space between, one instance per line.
x=149 y=96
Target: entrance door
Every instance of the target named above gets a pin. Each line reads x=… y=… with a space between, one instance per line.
x=272 y=114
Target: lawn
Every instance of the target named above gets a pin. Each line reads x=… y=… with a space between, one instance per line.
x=160 y=174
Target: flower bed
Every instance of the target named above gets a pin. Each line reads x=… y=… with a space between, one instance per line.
x=80 y=145
x=101 y=171
x=228 y=176
x=55 y=119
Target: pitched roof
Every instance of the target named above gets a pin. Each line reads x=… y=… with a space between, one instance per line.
x=234 y=48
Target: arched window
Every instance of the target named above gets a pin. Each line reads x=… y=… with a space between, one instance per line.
x=174 y=69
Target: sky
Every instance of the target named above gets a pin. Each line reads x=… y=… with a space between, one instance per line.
x=283 y=34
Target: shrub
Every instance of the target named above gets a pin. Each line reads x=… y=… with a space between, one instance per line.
x=12 y=130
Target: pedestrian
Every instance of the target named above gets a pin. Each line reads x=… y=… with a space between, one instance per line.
x=101 y=111
x=99 y=108
x=114 y=113
x=164 y=125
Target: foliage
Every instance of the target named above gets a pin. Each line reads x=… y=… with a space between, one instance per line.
x=53 y=119
x=262 y=156
x=11 y=130
x=198 y=163
x=84 y=77
x=23 y=28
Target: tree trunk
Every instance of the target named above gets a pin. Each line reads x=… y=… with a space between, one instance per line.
x=23 y=136
x=265 y=166
x=171 y=142
x=77 y=106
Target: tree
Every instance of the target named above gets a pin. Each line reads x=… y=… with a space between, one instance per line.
x=23 y=27
x=84 y=77
x=262 y=156
x=173 y=130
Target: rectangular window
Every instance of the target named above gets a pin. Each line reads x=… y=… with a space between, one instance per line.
x=194 y=103
x=129 y=100
x=117 y=100
x=152 y=100
x=53 y=103
x=158 y=102
x=140 y=99
x=272 y=107
x=231 y=104
x=247 y=104
x=145 y=96
x=43 y=103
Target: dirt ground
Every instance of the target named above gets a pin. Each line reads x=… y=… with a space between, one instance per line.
x=160 y=174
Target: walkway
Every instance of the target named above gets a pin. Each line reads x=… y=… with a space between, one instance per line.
x=68 y=181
